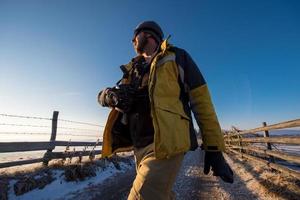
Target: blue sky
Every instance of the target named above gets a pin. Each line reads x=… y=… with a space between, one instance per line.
x=57 y=55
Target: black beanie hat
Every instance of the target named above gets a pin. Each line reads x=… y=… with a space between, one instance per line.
x=150 y=27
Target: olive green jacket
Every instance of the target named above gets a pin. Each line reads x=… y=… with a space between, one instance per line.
x=170 y=111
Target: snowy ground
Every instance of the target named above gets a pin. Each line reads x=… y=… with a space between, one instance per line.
x=110 y=183
x=61 y=189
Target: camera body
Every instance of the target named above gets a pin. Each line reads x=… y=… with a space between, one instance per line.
x=121 y=96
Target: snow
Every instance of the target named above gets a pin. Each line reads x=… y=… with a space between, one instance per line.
x=60 y=189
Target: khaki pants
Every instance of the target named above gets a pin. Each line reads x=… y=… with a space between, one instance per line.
x=155 y=178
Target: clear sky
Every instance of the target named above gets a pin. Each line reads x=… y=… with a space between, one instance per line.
x=57 y=55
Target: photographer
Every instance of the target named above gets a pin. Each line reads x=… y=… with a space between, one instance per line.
x=151 y=114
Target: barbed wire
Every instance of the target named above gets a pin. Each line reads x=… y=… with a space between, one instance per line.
x=44 y=118
x=25 y=133
x=78 y=129
x=85 y=135
x=30 y=133
x=84 y=123
x=22 y=116
x=27 y=125
x=39 y=126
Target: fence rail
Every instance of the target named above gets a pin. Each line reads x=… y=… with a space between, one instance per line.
x=279 y=140
x=6 y=147
x=49 y=146
x=282 y=125
x=242 y=143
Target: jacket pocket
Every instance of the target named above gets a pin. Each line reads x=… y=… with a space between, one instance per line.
x=173 y=134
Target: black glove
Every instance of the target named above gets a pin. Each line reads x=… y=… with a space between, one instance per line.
x=216 y=162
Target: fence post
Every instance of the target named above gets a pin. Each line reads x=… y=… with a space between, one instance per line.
x=47 y=155
x=269 y=147
x=240 y=142
x=227 y=142
x=230 y=139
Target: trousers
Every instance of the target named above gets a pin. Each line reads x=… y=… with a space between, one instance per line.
x=154 y=177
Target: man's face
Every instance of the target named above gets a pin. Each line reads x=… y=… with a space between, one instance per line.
x=139 y=42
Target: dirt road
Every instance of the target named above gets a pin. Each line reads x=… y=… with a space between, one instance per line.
x=190 y=184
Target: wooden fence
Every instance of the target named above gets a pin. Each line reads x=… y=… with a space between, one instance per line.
x=48 y=147
x=242 y=143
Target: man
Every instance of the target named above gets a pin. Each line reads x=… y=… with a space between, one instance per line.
x=151 y=113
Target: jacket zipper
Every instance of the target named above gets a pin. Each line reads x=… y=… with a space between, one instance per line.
x=152 y=82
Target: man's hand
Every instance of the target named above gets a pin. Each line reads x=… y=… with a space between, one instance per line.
x=215 y=161
x=106 y=99
x=103 y=98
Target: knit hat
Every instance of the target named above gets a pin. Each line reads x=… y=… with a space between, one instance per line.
x=150 y=27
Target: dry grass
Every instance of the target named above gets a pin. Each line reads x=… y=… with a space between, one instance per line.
x=263 y=182
x=18 y=171
x=38 y=176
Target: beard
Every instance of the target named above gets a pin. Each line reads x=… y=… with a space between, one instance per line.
x=140 y=48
